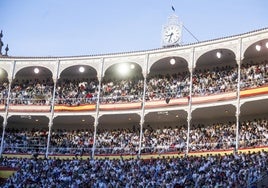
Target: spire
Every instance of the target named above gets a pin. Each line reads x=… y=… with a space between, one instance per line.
x=6 y=49
x=2 y=44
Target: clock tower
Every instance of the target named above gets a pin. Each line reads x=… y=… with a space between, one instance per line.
x=171 y=32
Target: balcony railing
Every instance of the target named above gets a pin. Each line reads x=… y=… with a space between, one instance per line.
x=161 y=149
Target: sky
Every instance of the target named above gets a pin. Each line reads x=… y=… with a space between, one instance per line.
x=85 y=27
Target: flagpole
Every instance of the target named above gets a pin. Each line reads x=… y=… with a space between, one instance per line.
x=172 y=7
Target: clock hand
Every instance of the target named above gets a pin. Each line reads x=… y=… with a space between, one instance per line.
x=170 y=37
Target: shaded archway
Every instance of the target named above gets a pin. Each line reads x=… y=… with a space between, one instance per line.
x=254 y=66
x=164 y=132
x=213 y=128
x=77 y=86
x=168 y=78
x=30 y=133
x=216 y=58
x=254 y=109
x=258 y=50
x=253 y=127
x=4 y=85
x=122 y=82
x=215 y=72
x=32 y=86
x=168 y=65
x=72 y=135
x=118 y=134
x=78 y=72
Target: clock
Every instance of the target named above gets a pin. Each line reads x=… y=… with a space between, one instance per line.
x=171 y=35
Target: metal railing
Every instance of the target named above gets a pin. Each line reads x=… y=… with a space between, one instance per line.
x=160 y=149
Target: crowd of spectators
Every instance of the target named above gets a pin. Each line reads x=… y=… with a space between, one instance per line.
x=202 y=137
x=118 y=141
x=76 y=92
x=189 y=171
x=172 y=86
x=126 y=90
x=75 y=142
x=3 y=90
x=25 y=141
x=84 y=91
x=254 y=75
x=218 y=80
x=234 y=170
x=31 y=91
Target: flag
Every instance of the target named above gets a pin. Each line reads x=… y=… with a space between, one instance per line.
x=173 y=8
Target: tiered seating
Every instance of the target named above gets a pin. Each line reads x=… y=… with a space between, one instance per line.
x=237 y=170
x=209 y=137
x=84 y=91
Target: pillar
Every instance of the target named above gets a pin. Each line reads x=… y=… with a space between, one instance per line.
x=145 y=72
x=49 y=136
x=189 y=116
x=3 y=135
x=96 y=122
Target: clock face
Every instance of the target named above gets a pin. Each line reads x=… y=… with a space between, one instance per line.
x=171 y=34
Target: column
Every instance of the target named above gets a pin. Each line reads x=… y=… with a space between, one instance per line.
x=10 y=79
x=3 y=135
x=189 y=114
x=96 y=122
x=237 y=106
x=142 y=114
x=6 y=116
x=55 y=78
x=49 y=135
x=189 y=117
x=145 y=72
x=239 y=58
x=237 y=114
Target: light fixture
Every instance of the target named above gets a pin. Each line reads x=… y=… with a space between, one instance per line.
x=81 y=69
x=123 y=69
x=172 y=61
x=132 y=66
x=36 y=70
x=1 y=72
x=258 y=47
x=218 y=54
x=266 y=44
